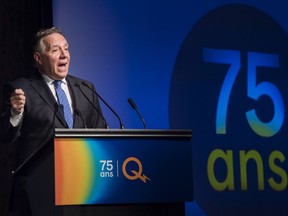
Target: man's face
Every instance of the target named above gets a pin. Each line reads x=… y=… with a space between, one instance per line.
x=55 y=58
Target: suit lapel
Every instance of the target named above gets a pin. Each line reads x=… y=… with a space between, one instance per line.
x=41 y=87
x=74 y=93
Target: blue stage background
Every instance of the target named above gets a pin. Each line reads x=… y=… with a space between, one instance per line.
x=139 y=49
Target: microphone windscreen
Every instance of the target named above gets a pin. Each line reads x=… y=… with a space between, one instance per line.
x=131 y=102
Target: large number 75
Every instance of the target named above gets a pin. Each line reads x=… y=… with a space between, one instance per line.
x=254 y=90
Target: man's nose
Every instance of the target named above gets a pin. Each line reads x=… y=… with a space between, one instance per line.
x=64 y=53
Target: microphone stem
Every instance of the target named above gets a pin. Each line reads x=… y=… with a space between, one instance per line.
x=133 y=105
x=141 y=118
x=121 y=125
x=105 y=122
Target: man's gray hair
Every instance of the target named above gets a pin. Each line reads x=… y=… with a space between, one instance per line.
x=38 y=45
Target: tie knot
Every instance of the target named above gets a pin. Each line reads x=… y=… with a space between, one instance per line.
x=57 y=83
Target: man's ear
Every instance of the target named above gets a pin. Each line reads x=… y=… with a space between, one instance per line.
x=38 y=58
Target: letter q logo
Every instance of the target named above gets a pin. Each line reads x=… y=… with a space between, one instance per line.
x=136 y=174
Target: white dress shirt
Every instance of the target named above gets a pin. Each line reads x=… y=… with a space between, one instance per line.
x=16 y=119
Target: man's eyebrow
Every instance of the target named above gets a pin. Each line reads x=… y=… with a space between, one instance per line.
x=57 y=46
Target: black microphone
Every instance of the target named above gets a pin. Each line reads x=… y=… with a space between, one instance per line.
x=86 y=84
x=77 y=111
x=100 y=113
x=133 y=105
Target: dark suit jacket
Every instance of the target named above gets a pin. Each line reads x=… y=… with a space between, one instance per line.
x=41 y=116
x=42 y=113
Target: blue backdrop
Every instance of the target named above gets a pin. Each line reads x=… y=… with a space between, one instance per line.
x=216 y=67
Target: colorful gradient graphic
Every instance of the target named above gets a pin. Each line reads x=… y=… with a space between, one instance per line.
x=76 y=179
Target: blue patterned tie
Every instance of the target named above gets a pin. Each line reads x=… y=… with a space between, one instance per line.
x=63 y=102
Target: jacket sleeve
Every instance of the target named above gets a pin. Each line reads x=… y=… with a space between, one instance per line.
x=8 y=133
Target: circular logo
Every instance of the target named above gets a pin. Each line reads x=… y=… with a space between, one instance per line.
x=229 y=86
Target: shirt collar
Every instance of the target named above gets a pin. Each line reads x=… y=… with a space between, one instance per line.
x=48 y=80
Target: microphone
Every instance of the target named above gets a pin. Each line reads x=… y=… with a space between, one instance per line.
x=86 y=84
x=77 y=111
x=133 y=105
x=100 y=113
